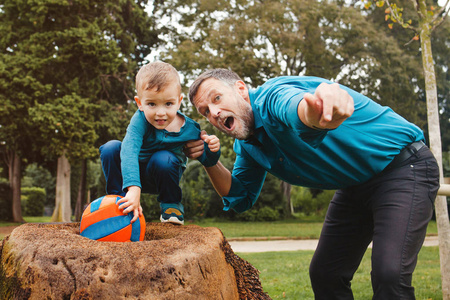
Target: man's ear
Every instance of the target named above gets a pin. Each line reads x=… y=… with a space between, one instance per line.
x=242 y=90
x=138 y=102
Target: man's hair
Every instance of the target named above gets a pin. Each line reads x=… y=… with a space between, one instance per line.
x=156 y=74
x=225 y=75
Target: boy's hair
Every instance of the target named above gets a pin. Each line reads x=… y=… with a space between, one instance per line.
x=225 y=75
x=156 y=74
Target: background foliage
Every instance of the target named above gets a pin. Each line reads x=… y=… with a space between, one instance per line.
x=67 y=72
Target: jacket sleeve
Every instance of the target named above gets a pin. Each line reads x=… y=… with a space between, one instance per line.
x=281 y=106
x=129 y=154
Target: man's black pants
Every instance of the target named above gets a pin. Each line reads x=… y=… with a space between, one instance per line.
x=392 y=210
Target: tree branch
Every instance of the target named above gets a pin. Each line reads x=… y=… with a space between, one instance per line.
x=416 y=7
x=411 y=40
x=118 y=78
x=444 y=7
x=443 y=17
x=396 y=17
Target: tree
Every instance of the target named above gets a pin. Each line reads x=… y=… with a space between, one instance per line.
x=264 y=39
x=67 y=125
x=18 y=89
x=81 y=192
x=428 y=18
x=75 y=62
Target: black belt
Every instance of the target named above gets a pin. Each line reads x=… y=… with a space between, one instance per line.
x=406 y=153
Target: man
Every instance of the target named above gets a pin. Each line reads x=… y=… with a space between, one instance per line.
x=308 y=131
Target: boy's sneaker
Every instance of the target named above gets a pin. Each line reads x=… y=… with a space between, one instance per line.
x=172 y=215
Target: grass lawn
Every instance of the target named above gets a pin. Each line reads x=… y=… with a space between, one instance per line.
x=28 y=220
x=287 y=229
x=293 y=281
x=298 y=229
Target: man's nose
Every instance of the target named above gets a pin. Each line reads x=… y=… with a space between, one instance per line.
x=214 y=111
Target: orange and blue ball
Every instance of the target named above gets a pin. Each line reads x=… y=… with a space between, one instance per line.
x=102 y=220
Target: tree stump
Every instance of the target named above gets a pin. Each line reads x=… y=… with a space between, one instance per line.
x=52 y=261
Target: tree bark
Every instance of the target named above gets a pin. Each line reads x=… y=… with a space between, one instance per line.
x=81 y=198
x=15 y=165
x=436 y=147
x=286 y=189
x=63 y=211
x=52 y=261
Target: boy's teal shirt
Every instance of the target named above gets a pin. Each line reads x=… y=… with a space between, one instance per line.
x=361 y=147
x=142 y=140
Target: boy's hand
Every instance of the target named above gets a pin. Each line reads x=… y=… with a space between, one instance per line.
x=131 y=202
x=207 y=156
x=212 y=141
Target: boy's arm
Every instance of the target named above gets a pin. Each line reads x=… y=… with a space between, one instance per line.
x=131 y=147
x=129 y=155
x=210 y=152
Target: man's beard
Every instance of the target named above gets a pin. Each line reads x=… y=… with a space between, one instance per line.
x=247 y=121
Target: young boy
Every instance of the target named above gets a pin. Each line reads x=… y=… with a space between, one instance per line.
x=150 y=159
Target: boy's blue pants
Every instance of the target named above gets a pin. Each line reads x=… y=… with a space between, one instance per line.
x=160 y=175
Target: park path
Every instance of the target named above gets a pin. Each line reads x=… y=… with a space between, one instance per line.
x=293 y=245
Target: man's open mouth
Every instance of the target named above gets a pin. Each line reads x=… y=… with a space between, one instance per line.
x=229 y=122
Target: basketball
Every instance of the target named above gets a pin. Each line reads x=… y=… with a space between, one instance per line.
x=102 y=220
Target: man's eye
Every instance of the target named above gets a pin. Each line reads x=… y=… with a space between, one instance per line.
x=217 y=98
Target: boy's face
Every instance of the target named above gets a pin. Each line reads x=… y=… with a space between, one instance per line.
x=160 y=108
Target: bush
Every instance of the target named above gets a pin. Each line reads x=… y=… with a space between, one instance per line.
x=268 y=214
x=259 y=215
x=33 y=201
x=305 y=202
x=322 y=201
x=38 y=176
x=198 y=192
x=150 y=207
x=302 y=199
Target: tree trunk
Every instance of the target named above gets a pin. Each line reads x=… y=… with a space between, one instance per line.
x=61 y=264
x=63 y=211
x=81 y=198
x=15 y=165
x=286 y=189
x=436 y=147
